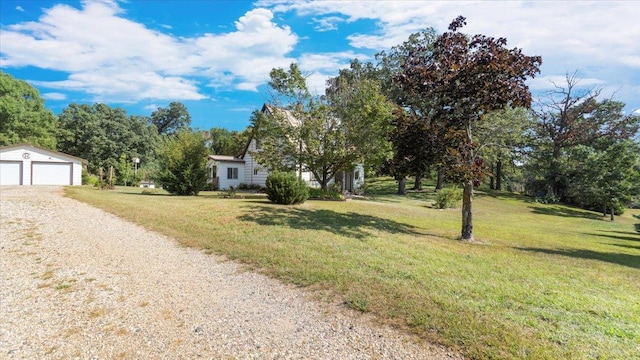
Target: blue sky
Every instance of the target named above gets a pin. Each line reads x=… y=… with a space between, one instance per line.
x=215 y=56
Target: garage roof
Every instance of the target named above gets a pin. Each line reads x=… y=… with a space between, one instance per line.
x=38 y=148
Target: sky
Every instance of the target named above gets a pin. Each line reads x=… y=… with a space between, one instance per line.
x=214 y=56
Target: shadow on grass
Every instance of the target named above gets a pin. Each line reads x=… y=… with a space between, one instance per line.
x=632 y=236
x=558 y=210
x=634 y=247
x=351 y=224
x=422 y=195
x=632 y=261
x=503 y=195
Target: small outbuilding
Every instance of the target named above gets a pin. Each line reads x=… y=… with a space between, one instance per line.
x=25 y=164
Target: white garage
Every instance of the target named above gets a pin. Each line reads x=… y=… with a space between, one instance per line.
x=25 y=164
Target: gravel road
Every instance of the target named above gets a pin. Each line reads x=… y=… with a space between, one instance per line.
x=77 y=282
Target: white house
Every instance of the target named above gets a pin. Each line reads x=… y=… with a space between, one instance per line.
x=25 y=164
x=225 y=171
x=250 y=172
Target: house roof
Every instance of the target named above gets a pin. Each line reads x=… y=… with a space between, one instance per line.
x=272 y=110
x=226 y=158
x=38 y=148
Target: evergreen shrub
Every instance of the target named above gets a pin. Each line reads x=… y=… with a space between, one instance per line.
x=286 y=189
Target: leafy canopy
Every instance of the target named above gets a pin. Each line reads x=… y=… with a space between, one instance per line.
x=183 y=163
x=466 y=77
x=23 y=115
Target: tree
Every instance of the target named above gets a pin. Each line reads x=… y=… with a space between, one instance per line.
x=304 y=132
x=570 y=116
x=23 y=115
x=501 y=140
x=357 y=99
x=124 y=167
x=171 y=119
x=415 y=152
x=466 y=77
x=183 y=163
x=618 y=178
x=100 y=134
x=225 y=142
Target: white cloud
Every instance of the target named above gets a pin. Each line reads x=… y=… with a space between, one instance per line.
x=151 y=107
x=246 y=56
x=127 y=87
x=20 y=8
x=327 y=23
x=551 y=81
x=600 y=39
x=116 y=59
x=54 y=96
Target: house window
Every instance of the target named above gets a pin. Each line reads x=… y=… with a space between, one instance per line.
x=232 y=173
x=357 y=176
x=256 y=171
x=212 y=172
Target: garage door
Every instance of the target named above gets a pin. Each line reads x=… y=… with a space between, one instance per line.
x=10 y=172
x=50 y=173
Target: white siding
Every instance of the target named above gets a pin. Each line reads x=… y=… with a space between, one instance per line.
x=250 y=167
x=222 y=173
x=29 y=155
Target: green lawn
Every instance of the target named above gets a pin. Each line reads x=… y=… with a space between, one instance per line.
x=540 y=282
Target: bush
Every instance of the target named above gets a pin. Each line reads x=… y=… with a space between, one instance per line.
x=548 y=198
x=330 y=194
x=89 y=179
x=183 y=163
x=254 y=187
x=286 y=189
x=448 y=198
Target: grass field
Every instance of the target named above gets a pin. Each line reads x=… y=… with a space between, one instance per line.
x=540 y=282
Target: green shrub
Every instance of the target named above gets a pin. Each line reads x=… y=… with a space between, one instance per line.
x=448 y=198
x=316 y=193
x=89 y=179
x=254 y=187
x=330 y=194
x=548 y=198
x=183 y=163
x=286 y=189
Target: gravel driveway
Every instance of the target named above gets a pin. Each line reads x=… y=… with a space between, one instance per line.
x=77 y=282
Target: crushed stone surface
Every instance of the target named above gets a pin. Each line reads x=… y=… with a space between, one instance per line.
x=79 y=283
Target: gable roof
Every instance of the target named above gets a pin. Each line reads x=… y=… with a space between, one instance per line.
x=41 y=149
x=271 y=110
x=226 y=158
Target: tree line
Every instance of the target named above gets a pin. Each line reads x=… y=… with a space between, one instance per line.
x=451 y=105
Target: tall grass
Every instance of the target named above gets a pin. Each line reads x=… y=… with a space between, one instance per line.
x=540 y=282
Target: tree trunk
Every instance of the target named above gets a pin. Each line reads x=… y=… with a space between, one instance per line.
x=440 y=181
x=492 y=185
x=555 y=170
x=612 y=210
x=499 y=175
x=418 y=184
x=324 y=183
x=467 y=213
x=402 y=186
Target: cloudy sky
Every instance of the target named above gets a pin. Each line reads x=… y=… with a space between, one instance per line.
x=215 y=55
